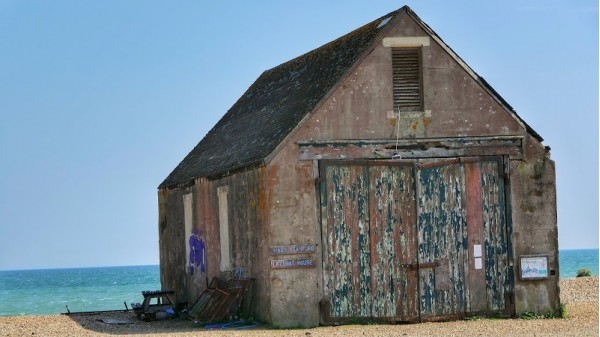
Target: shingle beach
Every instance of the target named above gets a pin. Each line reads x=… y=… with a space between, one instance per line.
x=580 y=295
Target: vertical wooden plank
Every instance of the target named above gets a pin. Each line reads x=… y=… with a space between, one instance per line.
x=188 y=221
x=347 y=276
x=172 y=243
x=384 y=222
x=477 y=300
x=442 y=240
x=360 y=203
x=496 y=262
x=393 y=237
x=336 y=279
x=212 y=230
x=406 y=241
x=340 y=239
x=457 y=242
x=428 y=201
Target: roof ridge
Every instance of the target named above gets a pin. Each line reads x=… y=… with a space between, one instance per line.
x=282 y=96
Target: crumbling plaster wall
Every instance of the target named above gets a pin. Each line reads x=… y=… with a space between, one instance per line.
x=535 y=231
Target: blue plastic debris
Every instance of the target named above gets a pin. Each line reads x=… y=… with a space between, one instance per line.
x=237 y=325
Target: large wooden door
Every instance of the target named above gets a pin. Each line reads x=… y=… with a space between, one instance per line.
x=392 y=233
x=347 y=262
x=490 y=281
x=369 y=231
x=442 y=239
x=400 y=239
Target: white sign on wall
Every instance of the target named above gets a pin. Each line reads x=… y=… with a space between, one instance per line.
x=534 y=267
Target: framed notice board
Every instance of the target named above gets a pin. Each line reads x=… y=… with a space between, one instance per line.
x=534 y=267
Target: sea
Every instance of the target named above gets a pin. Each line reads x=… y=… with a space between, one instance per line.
x=52 y=291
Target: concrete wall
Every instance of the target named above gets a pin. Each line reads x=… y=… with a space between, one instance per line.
x=279 y=205
x=533 y=199
x=293 y=221
x=455 y=105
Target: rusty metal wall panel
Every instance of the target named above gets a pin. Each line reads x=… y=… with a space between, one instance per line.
x=347 y=272
x=442 y=240
x=393 y=241
x=496 y=254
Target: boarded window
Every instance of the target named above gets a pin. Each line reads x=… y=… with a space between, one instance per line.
x=187 y=221
x=224 y=227
x=406 y=67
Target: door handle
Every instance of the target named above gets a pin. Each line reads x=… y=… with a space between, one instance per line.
x=409 y=265
x=433 y=264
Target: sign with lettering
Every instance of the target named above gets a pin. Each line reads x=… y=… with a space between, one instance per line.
x=293 y=249
x=292 y=264
x=534 y=267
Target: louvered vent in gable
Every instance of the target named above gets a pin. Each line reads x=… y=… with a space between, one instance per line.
x=406 y=66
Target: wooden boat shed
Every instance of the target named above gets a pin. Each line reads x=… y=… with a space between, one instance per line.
x=377 y=177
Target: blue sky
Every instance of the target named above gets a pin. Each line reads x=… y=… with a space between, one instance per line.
x=100 y=100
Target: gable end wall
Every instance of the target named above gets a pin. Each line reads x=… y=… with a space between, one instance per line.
x=360 y=108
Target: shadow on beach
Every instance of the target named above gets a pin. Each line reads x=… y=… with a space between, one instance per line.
x=127 y=323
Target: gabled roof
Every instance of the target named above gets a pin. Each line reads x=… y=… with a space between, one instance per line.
x=281 y=97
x=272 y=107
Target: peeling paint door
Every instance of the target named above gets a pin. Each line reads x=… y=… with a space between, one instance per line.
x=490 y=274
x=463 y=244
x=370 y=234
x=393 y=241
x=495 y=250
x=442 y=239
x=401 y=240
x=347 y=264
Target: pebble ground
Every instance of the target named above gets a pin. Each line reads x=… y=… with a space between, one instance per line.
x=579 y=294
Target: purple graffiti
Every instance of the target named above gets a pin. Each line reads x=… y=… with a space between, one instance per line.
x=197 y=252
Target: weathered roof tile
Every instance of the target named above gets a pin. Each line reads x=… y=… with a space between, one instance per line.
x=268 y=111
x=280 y=98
